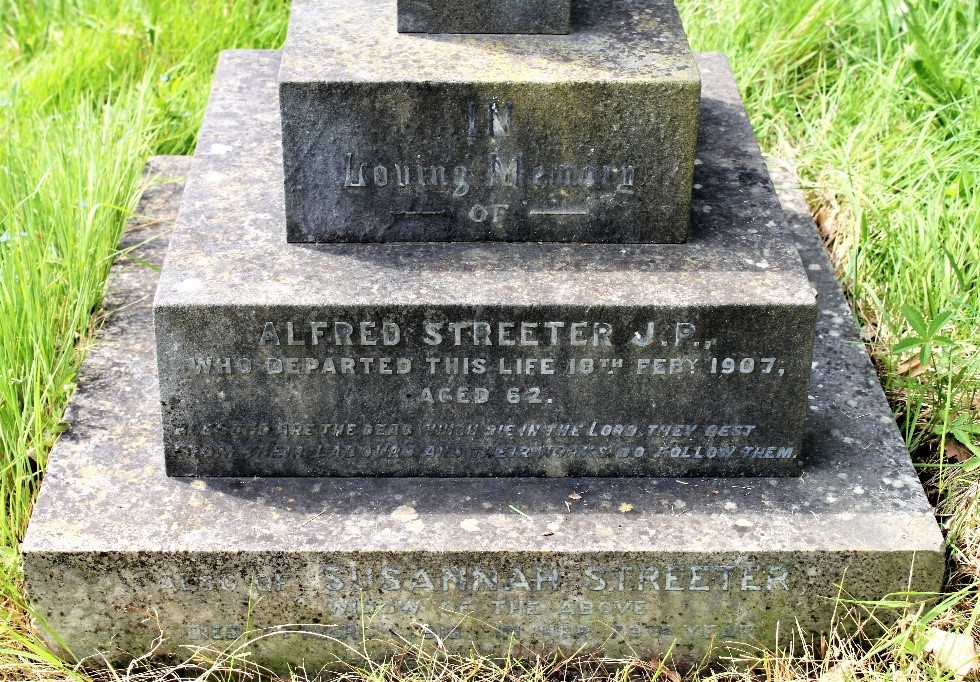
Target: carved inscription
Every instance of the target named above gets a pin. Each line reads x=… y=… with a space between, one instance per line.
x=577 y=603
x=508 y=183
x=491 y=389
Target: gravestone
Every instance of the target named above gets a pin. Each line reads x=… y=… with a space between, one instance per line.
x=316 y=396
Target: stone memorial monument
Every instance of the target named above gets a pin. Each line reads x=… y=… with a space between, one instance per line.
x=480 y=323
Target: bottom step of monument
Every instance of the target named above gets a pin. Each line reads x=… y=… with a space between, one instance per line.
x=117 y=552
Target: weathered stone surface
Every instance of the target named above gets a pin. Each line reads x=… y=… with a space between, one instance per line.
x=475 y=360
x=118 y=552
x=480 y=16
x=405 y=137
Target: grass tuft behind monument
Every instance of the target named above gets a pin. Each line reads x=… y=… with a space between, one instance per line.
x=873 y=103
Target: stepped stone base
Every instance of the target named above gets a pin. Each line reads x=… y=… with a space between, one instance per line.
x=461 y=359
x=117 y=552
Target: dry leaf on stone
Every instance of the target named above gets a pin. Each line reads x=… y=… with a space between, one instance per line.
x=625 y=507
x=953 y=651
x=912 y=367
x=575 y=496
x=837 y=673
x=956 y=452
x=827 y=223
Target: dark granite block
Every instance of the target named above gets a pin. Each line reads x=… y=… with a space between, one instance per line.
x=119 y=553
x=405 y=137
x=480 y=16
x=462 y=359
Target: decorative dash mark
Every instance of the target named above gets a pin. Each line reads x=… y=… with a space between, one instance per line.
x=403 y=214
x=558 y=211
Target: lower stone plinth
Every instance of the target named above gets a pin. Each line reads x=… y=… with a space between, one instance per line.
x=117 y=552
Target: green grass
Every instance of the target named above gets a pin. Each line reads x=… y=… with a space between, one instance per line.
x=874 y=103
x=88 y=90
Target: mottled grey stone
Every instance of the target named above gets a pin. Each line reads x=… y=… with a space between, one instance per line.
x=118 y=553
x=478 y=359
x=481 y=16
x=415 y=137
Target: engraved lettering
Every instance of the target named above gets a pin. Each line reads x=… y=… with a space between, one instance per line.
x=554 y=327
x=588 y=176
x=437 y=176
x=503 y=334
x=671 y=580
x=269 y=335
x=748 y=575
x=594 y=573
x=460 y=185
x=601 y=334
x=564 y=175
x=550 y=578
x=481 y=578
x=368 y=336
x=403 y=175
x=420 y=580
x=777 y=577
x=500 y=119
x=626 y=179
x=432 y=335
x=342 y=332
x=390 y=334
x=478 y=213
x=471 y=120
x=527 y=334
x=316 y=332
x=517 y=580
x=695 y=583
x=648 y=574
x=291 y=340
x=349 y=179
x=508 y=176
x=682 y=331
x=202 y=365
x=455 y=576
x=330 y=578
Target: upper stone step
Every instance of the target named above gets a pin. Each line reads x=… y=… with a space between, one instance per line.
x=392 y=136
x=481 y=16
x=492 y=359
